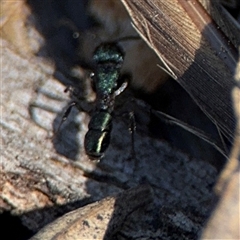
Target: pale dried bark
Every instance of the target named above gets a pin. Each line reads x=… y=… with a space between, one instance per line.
x=90 y=221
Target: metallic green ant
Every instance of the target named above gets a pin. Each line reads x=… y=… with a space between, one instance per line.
x=107 y=83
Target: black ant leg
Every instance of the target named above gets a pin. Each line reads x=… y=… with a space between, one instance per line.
x=66 y=114
x=132 y=130
x=68 y=89
x=87 y=108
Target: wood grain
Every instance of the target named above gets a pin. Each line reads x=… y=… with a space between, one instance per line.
x=100 y=220
x=195 y=52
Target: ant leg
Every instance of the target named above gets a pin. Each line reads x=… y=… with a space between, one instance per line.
x=122 y=84
x=66 y=114
x=121 y=88
x=68 y=89
x=80 y=103
x=132 y=130
x=69 y=109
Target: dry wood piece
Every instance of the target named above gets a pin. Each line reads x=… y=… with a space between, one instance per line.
x=195 y=53
x=100 y=220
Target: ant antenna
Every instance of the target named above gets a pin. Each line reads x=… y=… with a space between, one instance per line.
x=127 y=38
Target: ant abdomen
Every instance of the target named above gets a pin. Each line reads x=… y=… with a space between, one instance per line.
x=97 y=138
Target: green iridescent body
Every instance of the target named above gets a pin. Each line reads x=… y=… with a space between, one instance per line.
x=109 y=59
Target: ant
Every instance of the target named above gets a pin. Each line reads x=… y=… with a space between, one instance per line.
x=108 y=83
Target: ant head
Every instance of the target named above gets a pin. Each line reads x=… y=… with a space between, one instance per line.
x=111 y=52
x=108 y=52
